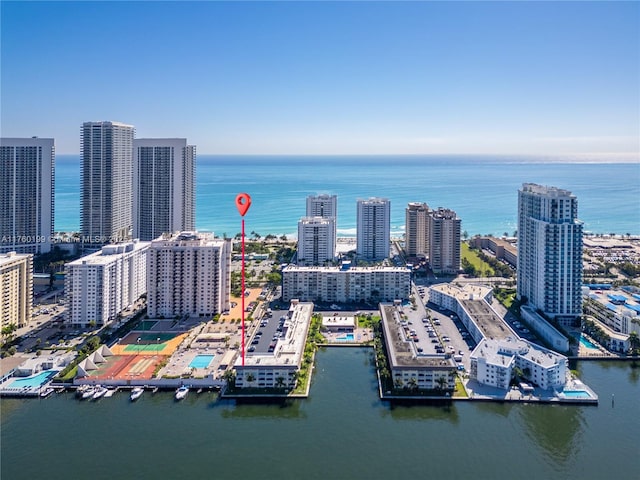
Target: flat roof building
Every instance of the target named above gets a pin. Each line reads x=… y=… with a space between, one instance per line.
x=164 y=181
x=99 y=286
x=409 y=367
x=444 y=241
x=277 y=369
x=374 y=229
x=16 y=289
x=27 y=179
x=316 y=240
x=550 y=251
x=106 y=160
x=416 y=239
x=346 y=283
x=189 y=273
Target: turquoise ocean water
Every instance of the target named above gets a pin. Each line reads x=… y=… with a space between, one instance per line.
x=481 y=189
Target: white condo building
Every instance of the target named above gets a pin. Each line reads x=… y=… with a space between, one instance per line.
x=107 y=182
x=189 y=273
x=444 y=241
x=16 y=289
x=164 y=193
x=101 y=285
x=416 y=240
x=345 y=284
x=316 y=240
x=323 y=205
x=550 y=251
x=27 y=194
x=374 y=229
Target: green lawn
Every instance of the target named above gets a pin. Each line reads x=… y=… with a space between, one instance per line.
x=483 y=268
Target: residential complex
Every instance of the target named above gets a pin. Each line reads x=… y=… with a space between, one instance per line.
x=498 y=348
x=278 y=367
x=107 y=182
x=16 y=289
x=409 y=367
x=26 y=194
x=345 y=283
x=444 y=241
x=493 y=362
x=325 y=206
x=503 y=249
x=550 y=251
x=99 y=286
x=374 y=229
x=316 y=240
x=189 y=273
x=164 y=190
x=416 y=239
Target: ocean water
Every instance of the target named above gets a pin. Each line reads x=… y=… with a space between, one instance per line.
x=481 y=189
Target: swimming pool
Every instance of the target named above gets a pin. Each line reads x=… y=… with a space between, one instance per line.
x=201 y=361
x=346 y=338
x=576 y=394
x=586 y=343
x=34 y=381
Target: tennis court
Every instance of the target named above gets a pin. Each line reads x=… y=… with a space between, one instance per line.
x=156 y=343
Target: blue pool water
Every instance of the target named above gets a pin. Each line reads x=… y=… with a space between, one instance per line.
x=34 y=381
x=586 y=343
x=576 y=394
x=346 y=338
x=201 y=361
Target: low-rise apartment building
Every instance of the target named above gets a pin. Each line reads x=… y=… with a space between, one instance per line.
x=277 y=369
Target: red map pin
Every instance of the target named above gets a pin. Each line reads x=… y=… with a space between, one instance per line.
x=243 y=202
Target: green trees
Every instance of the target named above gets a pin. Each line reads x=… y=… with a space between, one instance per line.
x=634 y=343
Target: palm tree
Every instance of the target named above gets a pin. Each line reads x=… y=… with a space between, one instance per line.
x=279 y=382
x=441 y=383
x=634 y=343
x=413 y=383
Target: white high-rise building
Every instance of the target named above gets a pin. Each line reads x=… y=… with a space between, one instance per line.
x=189 y=273
x=107 y=182
x=164 y=193
x=26 y=194
x=325 y=206
x=416 y=239
x=374 y=229
x=316 y=243
x=101 y=285
x=550 y=251
x=16 y=289
x=444 y=241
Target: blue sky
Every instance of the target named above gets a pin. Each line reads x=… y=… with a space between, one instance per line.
x=329 y=77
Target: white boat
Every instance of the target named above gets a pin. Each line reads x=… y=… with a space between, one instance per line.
x=99 y=392
x=136 y=393
x=45 y=392
x=182 y=392
x=88 y=393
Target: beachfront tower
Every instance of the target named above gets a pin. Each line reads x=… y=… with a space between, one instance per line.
x=26 y=194
x=416 y=240
x=16 y=289
x=325 y=206
x=164 y=193
x=374 y=229
x=316 y=240
x=444 y=241
x=550 y=251
x=106 y=150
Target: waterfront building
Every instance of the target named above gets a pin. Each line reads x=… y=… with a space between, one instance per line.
x=373 y=238
x=101 y=285
x=316 y=240
x=410 y=368
x=550 y=251
x=27 y=181
x=616 y=312
x=416 y=239
x=16 y=289
x=164 y=191
x=499 y=348
x=107 y=182
x=346 y=283
x=494 y=361
x=189 y=273
x=444 y=241
x=325 y=206
x=277 y=367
